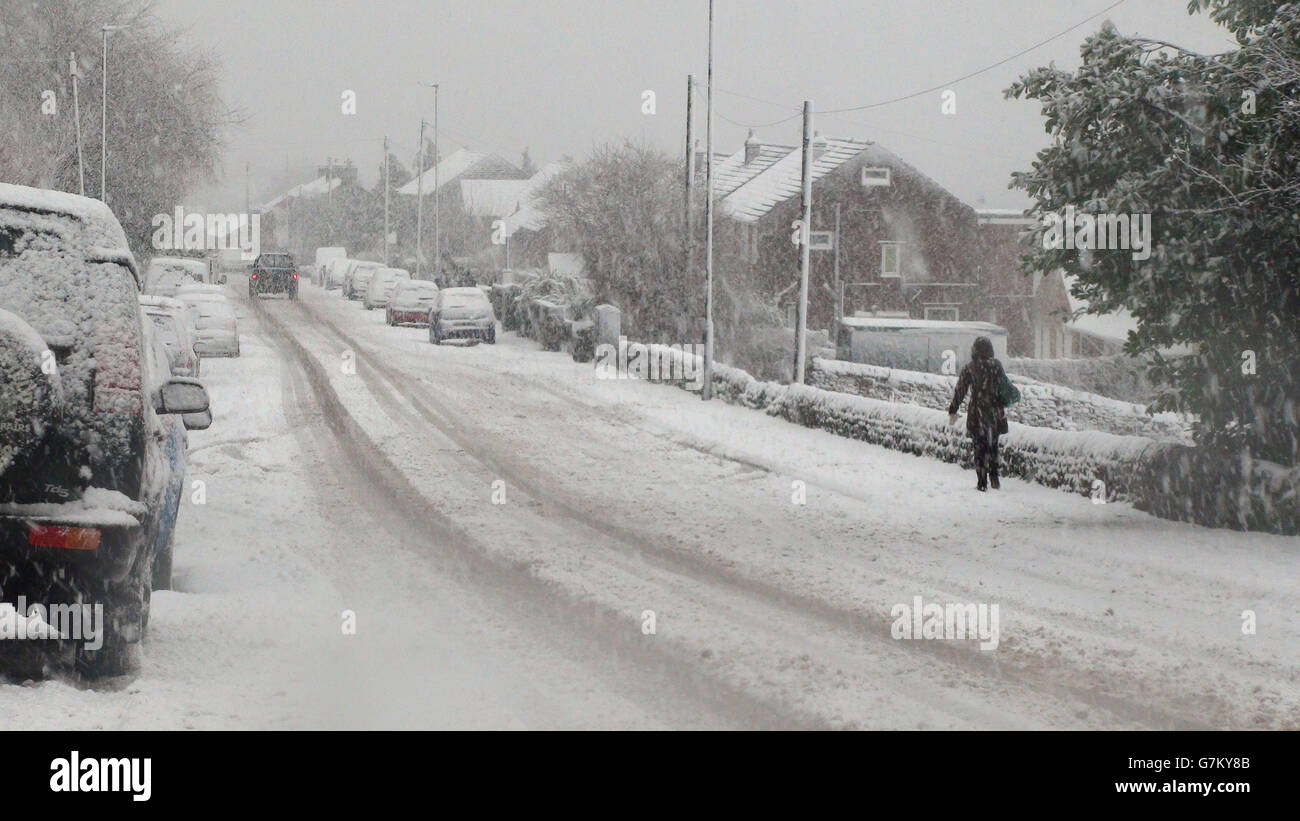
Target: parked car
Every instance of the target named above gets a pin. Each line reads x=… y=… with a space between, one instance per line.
x=273 y=274
x=82 y=459
x=462 y=313
x=336 y=272
x=323 y=257
x=175 y=330
x=358 y=277
x=381 y=285
x=175 y=448
x=165 y=274
x=410 y=302
x=216 y=328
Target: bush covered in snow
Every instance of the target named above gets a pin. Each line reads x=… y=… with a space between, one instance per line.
x=1041 y=405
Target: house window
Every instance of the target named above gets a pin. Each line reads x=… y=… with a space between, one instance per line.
x=891 y=259
x=875 y=176
x=947 y=313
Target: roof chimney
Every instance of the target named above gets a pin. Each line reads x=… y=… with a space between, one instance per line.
x=752 y=147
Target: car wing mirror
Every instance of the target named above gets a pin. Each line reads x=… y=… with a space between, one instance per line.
x=197 y=421
x=181 y=394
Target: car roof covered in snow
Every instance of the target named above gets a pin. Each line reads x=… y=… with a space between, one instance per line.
x=162 y=303
x=104 y=240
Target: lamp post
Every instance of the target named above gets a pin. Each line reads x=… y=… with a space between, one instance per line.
x=103 y=117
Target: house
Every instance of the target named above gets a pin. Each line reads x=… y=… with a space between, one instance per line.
x=906 y=246
x=460 y=164
x=277 y=222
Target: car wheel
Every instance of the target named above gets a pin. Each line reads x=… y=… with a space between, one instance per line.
x=492 y=336
x=126 y=618
x=434 y=336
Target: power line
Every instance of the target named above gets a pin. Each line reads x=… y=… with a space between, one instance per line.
x=914 y=94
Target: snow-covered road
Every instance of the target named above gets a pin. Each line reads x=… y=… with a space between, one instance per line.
x=500 y=521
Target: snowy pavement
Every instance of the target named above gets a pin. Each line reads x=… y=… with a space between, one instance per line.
x=501 y=521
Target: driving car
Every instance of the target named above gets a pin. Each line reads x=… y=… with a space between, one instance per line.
x=358 y=277
x=410 y=302
x=166 y=274
x=273 y=273
x=171 y=319
x=82 y=463
x=462 y=313
x=381 y=286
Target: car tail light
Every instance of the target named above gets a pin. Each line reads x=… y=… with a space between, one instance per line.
x=295 y=274
x=253 y=276
x=67 y=538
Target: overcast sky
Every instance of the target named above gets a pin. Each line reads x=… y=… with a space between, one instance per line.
x=560 y=76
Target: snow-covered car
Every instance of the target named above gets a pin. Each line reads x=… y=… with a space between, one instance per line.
x=336 y=272
x=410 y=303
x=216 y=328
x=323 y=258
x=175 y=448
x=381 y=285
x=462 y=313
x=166 y=274
x=358 y=277
x=175 y=330
x=82 y=461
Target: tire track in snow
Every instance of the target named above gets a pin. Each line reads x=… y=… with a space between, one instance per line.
x=513 y=586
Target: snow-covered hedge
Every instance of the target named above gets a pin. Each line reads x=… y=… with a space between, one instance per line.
x=1069 y=460
x=1117 y=377
x=1167 y=479
x=1041 y=405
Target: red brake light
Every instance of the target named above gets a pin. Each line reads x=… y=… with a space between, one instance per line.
x=295 y=274
x=253 y=276
x=67 y=538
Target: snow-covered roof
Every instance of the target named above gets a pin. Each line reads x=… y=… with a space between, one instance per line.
x=454 y=166
x=782 y=179
x=492 y=198
x=1002 y=216
x=529 y=216
x=318 y=186
x=880 y=323
x=731 y=171
x=1112 y=327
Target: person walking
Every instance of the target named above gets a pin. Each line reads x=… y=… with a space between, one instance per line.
x=986 y=416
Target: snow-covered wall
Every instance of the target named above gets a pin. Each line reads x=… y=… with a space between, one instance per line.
x=1041 y=405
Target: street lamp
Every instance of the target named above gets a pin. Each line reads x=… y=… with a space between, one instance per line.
x=103 y=116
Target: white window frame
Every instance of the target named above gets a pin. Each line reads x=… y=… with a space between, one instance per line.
x=877 y=176
x=885 y=247
x=952 y=308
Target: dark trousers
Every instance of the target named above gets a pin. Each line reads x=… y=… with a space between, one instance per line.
x=986 y=450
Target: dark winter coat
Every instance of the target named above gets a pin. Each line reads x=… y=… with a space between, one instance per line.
x=981 y=376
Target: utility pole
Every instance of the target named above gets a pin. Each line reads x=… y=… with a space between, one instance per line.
x=248 y=200
x=419 y=206
x=386 y=262
x=103 y=118
x=805 y=230
x=690 y=170
x=707 y=392
x=76 y=114
x=437 y=161
x=835 y=280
